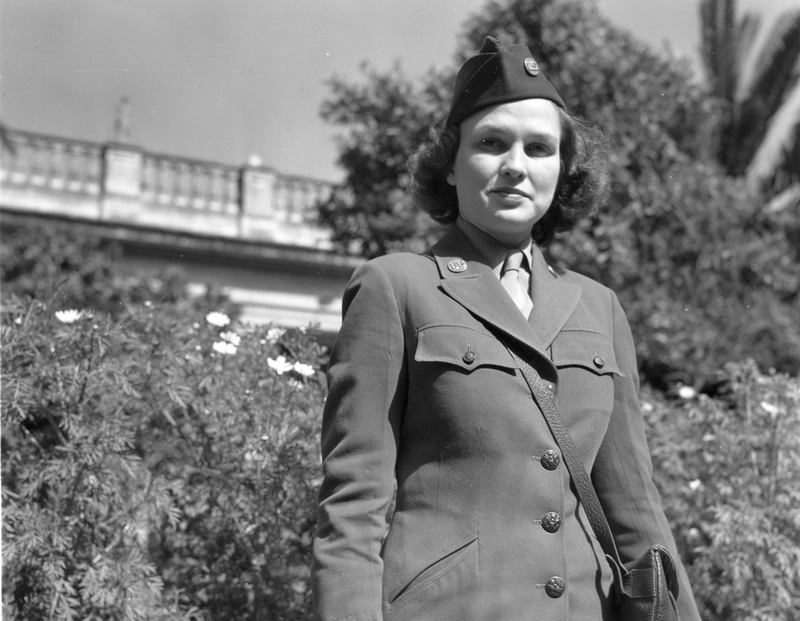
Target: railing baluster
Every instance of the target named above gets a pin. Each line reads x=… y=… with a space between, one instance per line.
x=232 y=192
x=56 y=171
x=92 y=168
x=74 y=171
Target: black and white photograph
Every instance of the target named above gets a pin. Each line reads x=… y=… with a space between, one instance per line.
x=434 y=310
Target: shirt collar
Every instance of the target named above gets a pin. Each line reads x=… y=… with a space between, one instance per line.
x=493 y=252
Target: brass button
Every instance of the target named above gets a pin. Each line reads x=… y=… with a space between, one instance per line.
x=555 y=587
x=457 y=265
x=599 y=362
x=551 y=522
x=550 y=460
x=469 y=356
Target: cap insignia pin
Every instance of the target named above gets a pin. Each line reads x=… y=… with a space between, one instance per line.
x=457 y=265
x=532 y=67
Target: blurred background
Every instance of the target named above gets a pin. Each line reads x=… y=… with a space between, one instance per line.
x=187 y=186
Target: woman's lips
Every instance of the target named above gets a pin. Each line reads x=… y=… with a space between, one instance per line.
x=507 y=192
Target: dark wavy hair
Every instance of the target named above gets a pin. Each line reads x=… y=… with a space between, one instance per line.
x=581 y=188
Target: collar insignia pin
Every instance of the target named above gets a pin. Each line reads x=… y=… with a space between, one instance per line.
x=457 y=265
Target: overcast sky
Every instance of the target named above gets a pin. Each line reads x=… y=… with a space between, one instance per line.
x=224 y=79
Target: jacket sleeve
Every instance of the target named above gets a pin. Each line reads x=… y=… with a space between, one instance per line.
x=361 y=419
x=622 y=472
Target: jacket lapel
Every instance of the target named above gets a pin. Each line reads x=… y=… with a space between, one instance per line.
x=554 y=300
x=478 y=290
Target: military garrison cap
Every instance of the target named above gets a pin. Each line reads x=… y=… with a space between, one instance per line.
x=495 y=75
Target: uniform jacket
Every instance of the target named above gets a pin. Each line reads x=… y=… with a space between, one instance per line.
x=485 y=521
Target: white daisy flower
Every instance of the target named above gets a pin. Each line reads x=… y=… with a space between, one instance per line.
x=279 y=364
x=224 y=348
x=231 y=337
x=306 y=370
x=218 y=319
x=273 y=334
x=69 y=316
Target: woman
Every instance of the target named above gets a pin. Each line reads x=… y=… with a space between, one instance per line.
x=426 y=400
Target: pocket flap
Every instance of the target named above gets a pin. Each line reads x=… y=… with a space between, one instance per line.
x=461 y=346
x=591 y=350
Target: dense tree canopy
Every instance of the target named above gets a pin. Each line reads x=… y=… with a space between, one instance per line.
x=707 y=275
x=387 y=117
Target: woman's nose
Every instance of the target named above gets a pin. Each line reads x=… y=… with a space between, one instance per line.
x=514 y=162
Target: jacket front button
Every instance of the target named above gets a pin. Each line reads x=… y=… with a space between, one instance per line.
x=555 y=587
x=550 y=460
x=469 y=356
x=551 y=522
x=599 y=362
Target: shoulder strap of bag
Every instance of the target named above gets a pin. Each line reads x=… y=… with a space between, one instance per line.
x=583 y=484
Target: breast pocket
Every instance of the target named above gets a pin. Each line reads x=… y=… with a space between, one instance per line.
x=461 y=377
x=462 y=347
x=587 y=365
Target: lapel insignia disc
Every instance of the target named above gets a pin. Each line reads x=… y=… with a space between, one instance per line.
x=457 y=265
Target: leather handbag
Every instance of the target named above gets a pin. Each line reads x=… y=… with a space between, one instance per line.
x=647 y=588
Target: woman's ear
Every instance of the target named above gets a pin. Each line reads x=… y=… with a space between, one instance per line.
x=451 y=178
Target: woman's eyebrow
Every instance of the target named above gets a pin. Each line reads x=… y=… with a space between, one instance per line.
x=501 y=129
x=491 y=128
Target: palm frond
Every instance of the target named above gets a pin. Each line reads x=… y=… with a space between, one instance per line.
x=788 y=200
x=746 y=35
x=780 y=139
x=719 y=46
x=776 y=65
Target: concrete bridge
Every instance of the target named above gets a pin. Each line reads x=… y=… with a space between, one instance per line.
x=248 y=229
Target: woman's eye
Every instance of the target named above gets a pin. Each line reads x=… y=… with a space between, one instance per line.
x=538 y=149
x=490 y=143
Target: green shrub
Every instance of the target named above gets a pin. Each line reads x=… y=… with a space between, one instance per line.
x=148 y=475
x=729 y=471
x=49 y=263
x=151 y=468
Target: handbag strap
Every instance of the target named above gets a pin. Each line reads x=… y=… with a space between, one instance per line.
x=583 y=484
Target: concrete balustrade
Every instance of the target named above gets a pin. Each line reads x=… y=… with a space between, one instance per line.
x=119 y=183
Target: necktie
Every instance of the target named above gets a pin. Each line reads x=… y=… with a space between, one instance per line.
x=510 y=279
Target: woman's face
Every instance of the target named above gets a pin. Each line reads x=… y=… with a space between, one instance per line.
x=506 y=167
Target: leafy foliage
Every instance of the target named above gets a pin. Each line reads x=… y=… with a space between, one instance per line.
x=728 y=469
x=152 y=467
x=386 y=117
x=77 y=503
x=77 y=272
